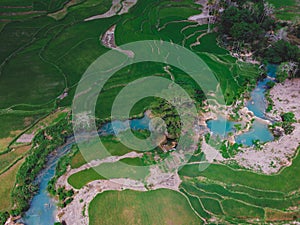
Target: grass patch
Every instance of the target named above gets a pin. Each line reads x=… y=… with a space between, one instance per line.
x=131 y=207
x=212 y=206
x=128 y=168
x=276 y=215
x=7 y=181
x=208 y=44
x=13 y=124
x=110 y=142
x=80 y=179
x=283 y=182
x=241 y=210
x=286 y=10
x=10 y=157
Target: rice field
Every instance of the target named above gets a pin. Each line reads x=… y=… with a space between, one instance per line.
x=153 y=207
x=45 y=56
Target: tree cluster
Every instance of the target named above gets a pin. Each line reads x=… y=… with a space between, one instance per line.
x=45 y=142
x=287 y=120
x=246 y=22
x=250 y=24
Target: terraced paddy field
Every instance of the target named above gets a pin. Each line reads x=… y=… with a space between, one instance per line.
x=48 y=46
x=223 y=193
x=286 y=10
x=131 y=207
x=243 y=194
x=49 y=52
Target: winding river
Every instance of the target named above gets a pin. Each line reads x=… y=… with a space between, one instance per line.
x=43 y=207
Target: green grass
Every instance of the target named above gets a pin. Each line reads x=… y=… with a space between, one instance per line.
x=279 y=4
x=200 y=192
x=196 y=205
x=278 y=203
x=30 y=79
x=113 y=146
x=51 y=51
x=212 y=206
x=19 y=3
x=286 y=10
x=243 y=195
x=131 y=207
x=255 y=193
x=129 y=168
x=209 y=45
x=80 y=179
x=42 y=56
x=8 y=180
x=16 y=122
x=283 y=182
x=44 y=86
x=9 y=158
x=241 y=210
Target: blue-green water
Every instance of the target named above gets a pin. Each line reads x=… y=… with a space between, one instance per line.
x=259 y=131
x=118 y=125
x=42 y=207
x=257 y=104
x=221 y=126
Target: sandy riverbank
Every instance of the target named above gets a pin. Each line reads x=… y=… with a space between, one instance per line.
x=77 y=211
x=63 y=180
x=279 y=153
x=273 y=155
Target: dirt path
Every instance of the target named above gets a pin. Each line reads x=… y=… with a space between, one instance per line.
x=118 y=8
x=204 y=17
x=63 y=180
x=77 y=211
x=108 y=40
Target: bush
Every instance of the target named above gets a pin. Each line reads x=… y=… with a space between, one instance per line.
x=288 y=119
x=3 y=217
x=282 y=51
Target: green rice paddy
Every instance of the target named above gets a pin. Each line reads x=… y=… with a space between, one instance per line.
x=43 y=56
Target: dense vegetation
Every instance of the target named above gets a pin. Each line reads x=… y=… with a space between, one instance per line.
x=250 y=25
x=246 y=23
x=44 y=143
x=64 y=196
x=287 y=120
x=56 y=52
x=3 y=217
x=282 y=51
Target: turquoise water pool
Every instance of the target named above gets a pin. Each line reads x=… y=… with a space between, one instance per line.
x=221 y=126
x=257 y=104
x=118 y=125
x=259 y=131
